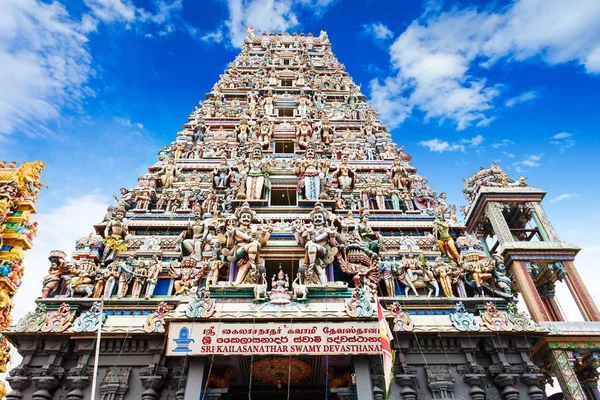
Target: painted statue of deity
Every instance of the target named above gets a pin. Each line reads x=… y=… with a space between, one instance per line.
x=268 y=104
x=304 y=133
x=243 y=130
x=214 y=266
x=265 y=132
x=185 y=277
x=257 y=170
x=310 y=170
x=221 y=176
x=320 y=241
x=388 y=271
x=398 y=175
x=204 y=236
x=52 y=282
x=82 y=278
x=445 y=273
x=114 y=236
x=479 y=267
x=244 y=241
x=345 y=175
x=445 y=242
x=369 y=237
x=168 y=173
x=327 y=131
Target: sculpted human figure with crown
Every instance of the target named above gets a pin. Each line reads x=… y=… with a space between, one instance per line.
x=256 y=170
x=114 y=236
x=320 y=240
x=244 y=241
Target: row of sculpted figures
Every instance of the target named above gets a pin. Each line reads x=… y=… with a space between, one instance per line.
x=227 y=251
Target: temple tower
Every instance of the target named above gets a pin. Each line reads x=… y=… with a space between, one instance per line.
x=280 y=243
x=19 y=187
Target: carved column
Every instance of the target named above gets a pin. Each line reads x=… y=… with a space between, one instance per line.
x=531 y=375
x=19 y=379
x=527 y=288
x=80 y=377
x=503 y=373
x=544 y=220
x=178 y=379
x=554 y=308
x=493 y=211
x=580 y=293
x=406 y=378
x=473 y=374
x=153 y=379
x=47 y=379
x=587 y=373
x=566 y=376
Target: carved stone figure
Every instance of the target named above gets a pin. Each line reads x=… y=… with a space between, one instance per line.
x=221 y=176
x=244 y=241
x=319 y=240
x=52 y=282
x=445 y=242
x=186 y=277
x=110 y=277
x=345 y=175
x=153 y=271
x=256 y=172
x=309 y=168
x=114 y=237
x=215 y=265
x=82 y=278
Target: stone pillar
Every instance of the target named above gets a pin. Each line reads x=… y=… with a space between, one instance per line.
x=493 y=211
x=566 y=376
x=19 y=380
x=195 y=382
x=153 y=379
x=580 y=294
x=473 y=374
x=544 y=220
x=362 y=371
x=527 y=288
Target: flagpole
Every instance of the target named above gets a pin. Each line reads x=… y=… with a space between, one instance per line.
x=97 y=355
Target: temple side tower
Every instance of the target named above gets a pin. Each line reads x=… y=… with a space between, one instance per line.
x=279 y=243
x=19 y=187
x=508 y=214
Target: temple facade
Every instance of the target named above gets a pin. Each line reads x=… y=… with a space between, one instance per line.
x=282 y=246
x=19 y=188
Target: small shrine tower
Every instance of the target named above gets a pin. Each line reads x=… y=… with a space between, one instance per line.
x=508 y=214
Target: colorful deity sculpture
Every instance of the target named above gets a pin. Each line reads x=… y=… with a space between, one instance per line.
x=114 y=236
x=320 y=240
x=256 y=171
x=52 y=282
x=445 y=242
x=345 y=175
x=244 y=241
x=221 y=176
x=310 y=169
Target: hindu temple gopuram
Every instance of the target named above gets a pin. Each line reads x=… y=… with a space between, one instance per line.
x=282 y=243
x=19 y=188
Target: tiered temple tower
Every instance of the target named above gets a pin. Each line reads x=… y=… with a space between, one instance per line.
x=253 y=256
x=19 y=187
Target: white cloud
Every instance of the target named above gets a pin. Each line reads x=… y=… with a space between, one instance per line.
x=440 y=146
x=127 y=122
x=378 y=31
x=563 y=140
x=503 y=143
x=522 y=98
x=473 y=142
x=58 y=230
x=562 y=135
x=44 y=58
x=528 y=161
x=436 y=57
x=268 y=15
x=45 y=65
x=563 y=197
x=509 y=155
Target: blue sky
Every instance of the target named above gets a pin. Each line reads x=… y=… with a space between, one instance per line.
x=95 y=88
